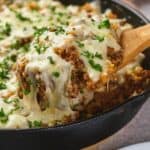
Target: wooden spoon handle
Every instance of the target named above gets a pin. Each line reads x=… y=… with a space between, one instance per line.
x=135 y=41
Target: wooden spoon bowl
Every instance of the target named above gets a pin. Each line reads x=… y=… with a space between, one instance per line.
x=133 y=42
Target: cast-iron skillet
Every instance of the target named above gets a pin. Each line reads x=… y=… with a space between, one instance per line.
x=84 y=133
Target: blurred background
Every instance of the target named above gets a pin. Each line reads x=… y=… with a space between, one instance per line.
x=138 y=130
x=143 y=5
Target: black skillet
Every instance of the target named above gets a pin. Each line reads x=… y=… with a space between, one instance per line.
x=84 y=133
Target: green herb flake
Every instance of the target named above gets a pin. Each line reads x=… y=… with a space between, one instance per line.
x=4 y=74
x=56 y=74
x=15 y=100
x=59 y=30
x=90 y=55
x=80 y=44
x=6 y=29
x=2 y=86
x=7 y=101
x=95 y=66
x=52 y=8
x=1 y=37
x=25 y=47
x=99 y=38
x=4 y=69
x=40 y=48
x=14 y=109
x=3 y=116
x=87 y=54
x=50 y=58
x=16 y=45
x=97 y=55
x=35 y=124
x=26 y=91
x=13 y=58
x=40 y=31
x=20 y=16
x=60 y=14
x=104 y=24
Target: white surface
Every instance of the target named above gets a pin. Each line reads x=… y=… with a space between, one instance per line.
x=141 y=146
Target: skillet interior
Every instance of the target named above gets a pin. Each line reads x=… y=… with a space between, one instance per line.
x=87 y=132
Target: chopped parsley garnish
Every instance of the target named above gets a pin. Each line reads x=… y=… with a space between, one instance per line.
x=40 y=48
x=20 y=16
x=35 y=124
x=1 y=37
x=18 y=45
x=4 y=69
x=56 y=74
x=104 y=24
x=14 y=109
x=4 y=74
x=95 y=66
x=62 y=17
x=59 y=30
x=51 y=60
x=52 y=8
x=3 y=116
x=2 y=86
x=26 y=91
x=90 y=55
x=13 y=58
x=6 y=29
x=15 y=100
x=60 y=14
x=40 y=31
x=97 y=55
x=25 y=47
x=87 y=54
x=80 y=44
x=99 y=38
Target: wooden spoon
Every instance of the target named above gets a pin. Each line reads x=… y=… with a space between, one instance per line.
x=133 y=42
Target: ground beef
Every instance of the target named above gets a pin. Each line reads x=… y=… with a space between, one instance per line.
x=71 y=55
x=26 y=84
x=22 y=77
x=79 y=77
x=107 y=99
x=115 y=57
x=41 y=95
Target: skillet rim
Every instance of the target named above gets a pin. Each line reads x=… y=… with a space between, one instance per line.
x=145 y=94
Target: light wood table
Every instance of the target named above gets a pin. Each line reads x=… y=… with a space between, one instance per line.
x=138 y=130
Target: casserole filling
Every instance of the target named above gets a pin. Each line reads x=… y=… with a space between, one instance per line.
x=59 y=63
